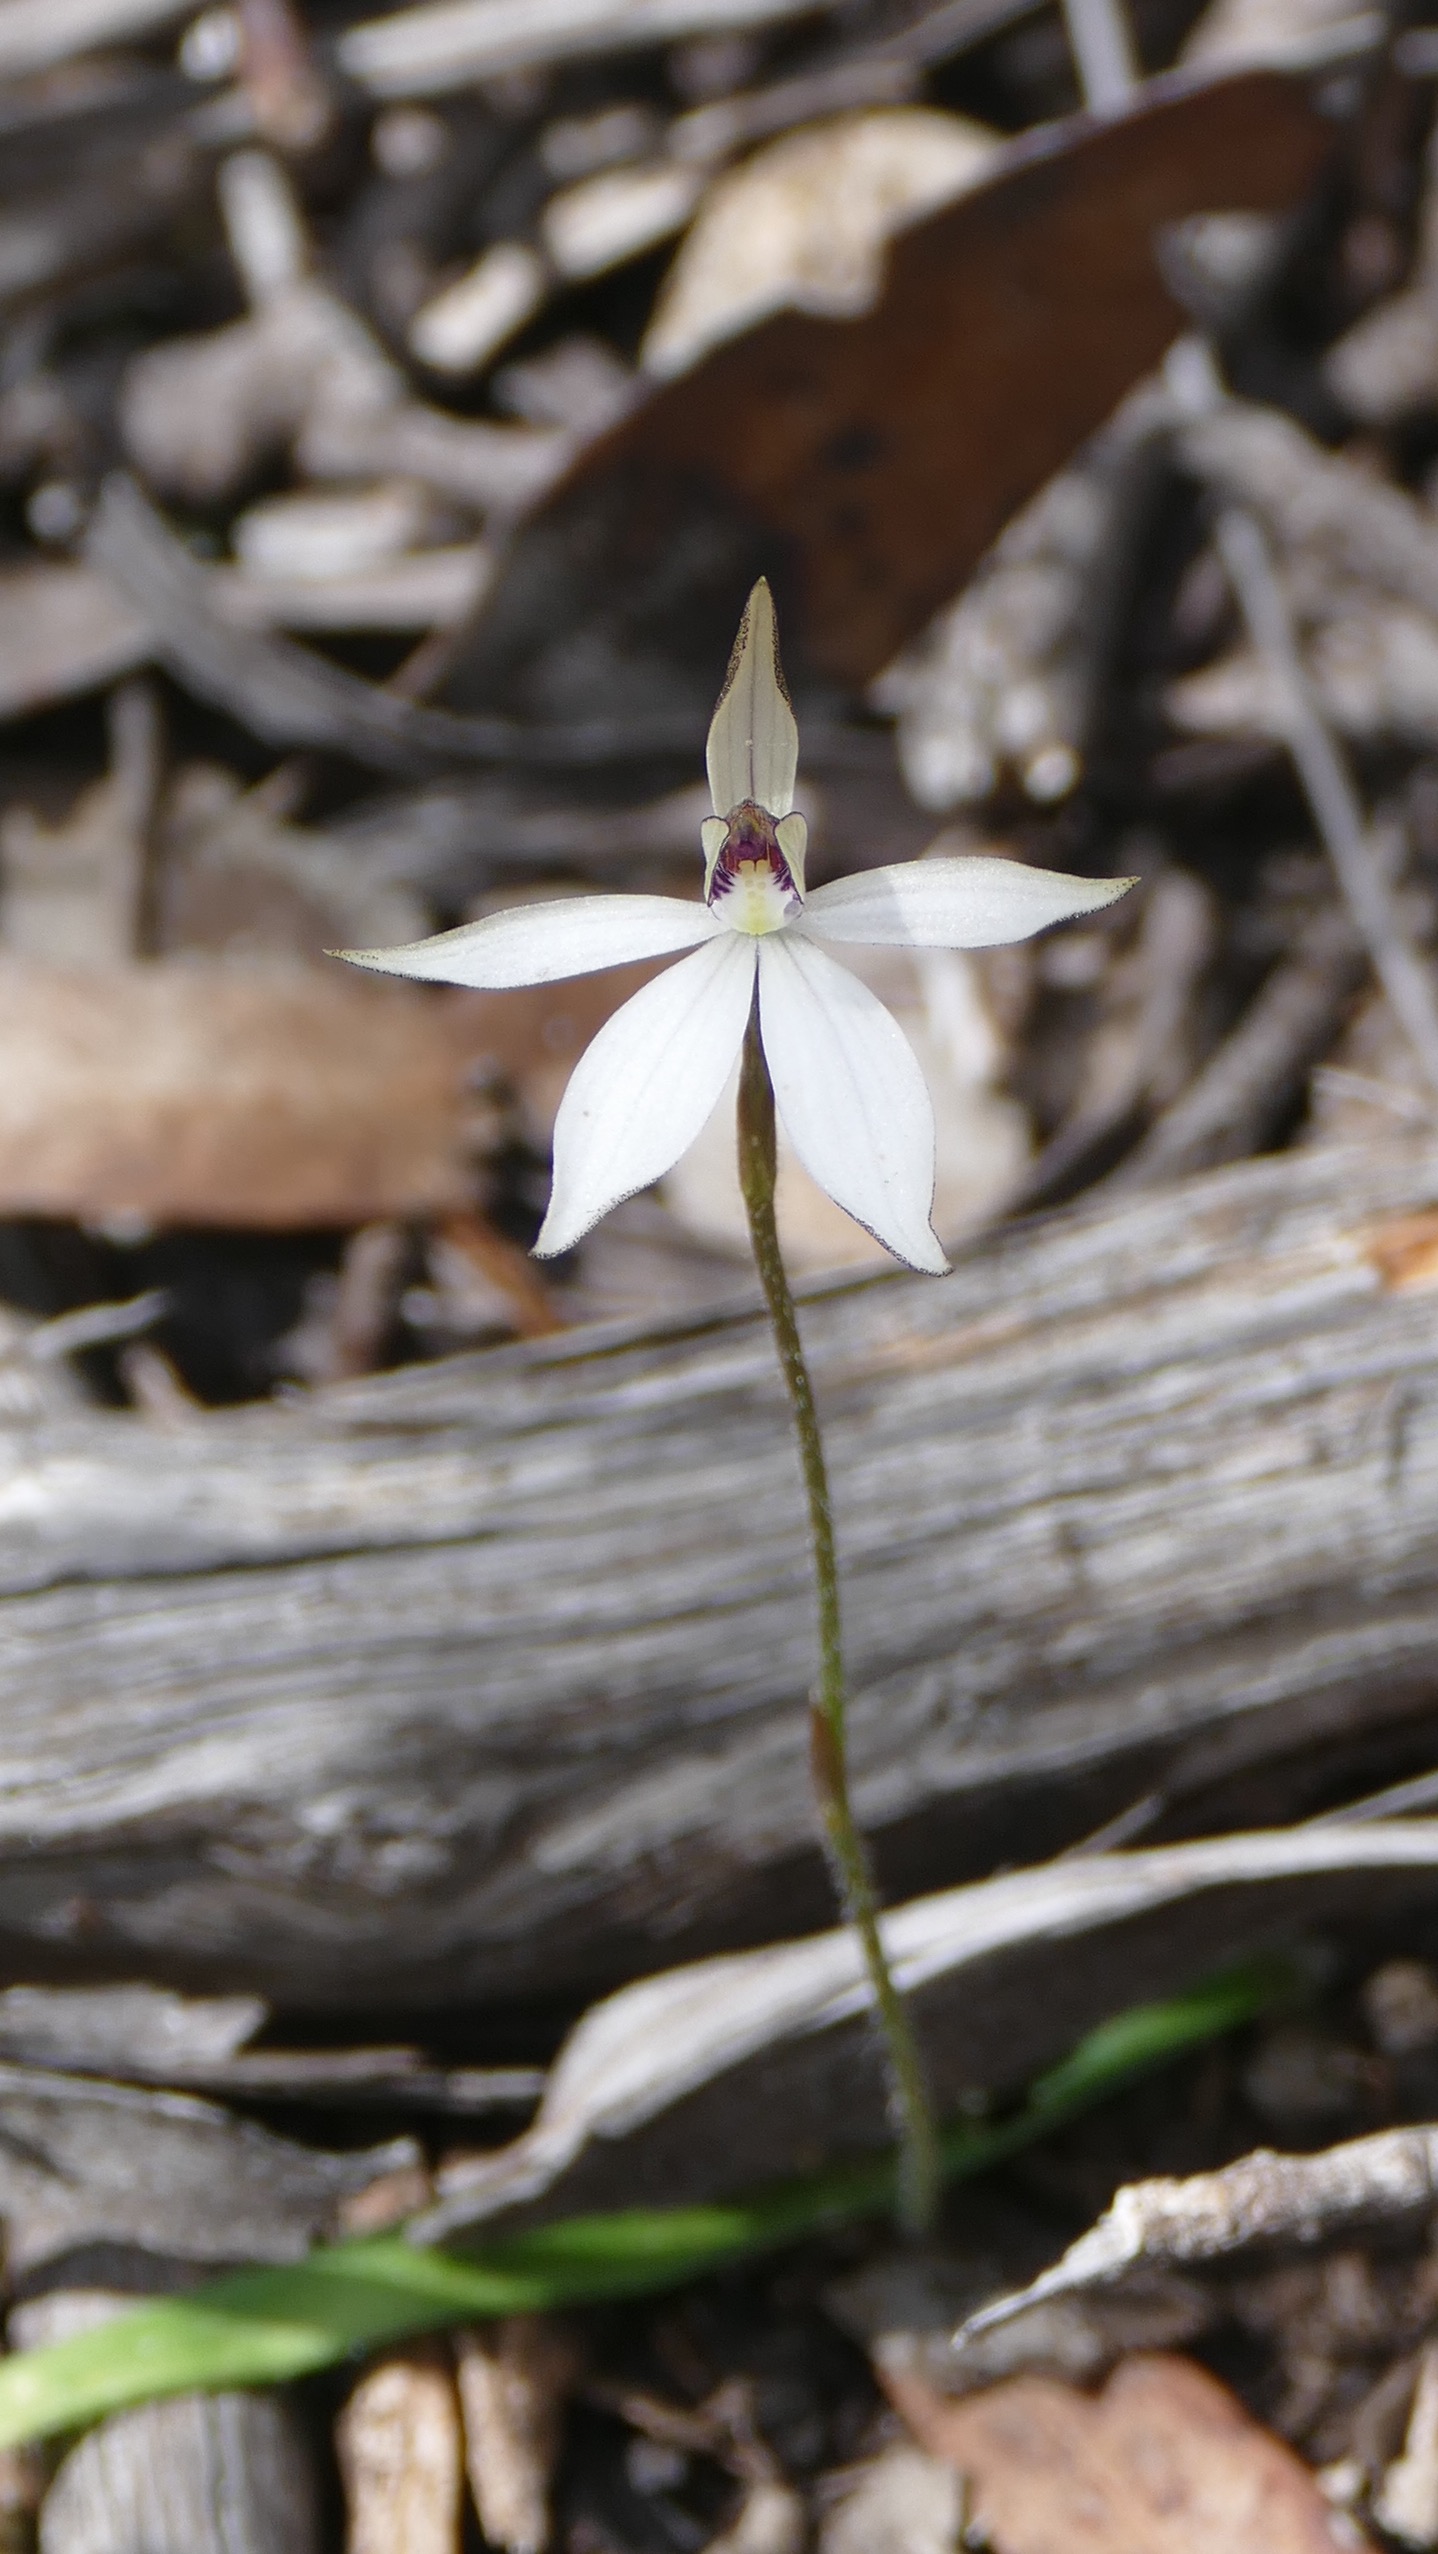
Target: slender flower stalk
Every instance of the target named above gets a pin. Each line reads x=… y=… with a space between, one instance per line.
x=759 y=985
x=915 y=2132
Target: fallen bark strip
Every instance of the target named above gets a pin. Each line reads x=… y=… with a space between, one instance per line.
x=706 y=2082
x=489 y=1677
x=1264 y=2202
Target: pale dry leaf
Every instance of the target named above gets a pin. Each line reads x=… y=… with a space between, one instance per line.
x=198 y=414
x=428 y=589
x=194 y=1093
x=804 y=223
x=748 y=2047
x=902 y=2502
x=1386 y=365
x=1164 y=2461
x=400 y=2455
x=1373 y=662
x=478 y=311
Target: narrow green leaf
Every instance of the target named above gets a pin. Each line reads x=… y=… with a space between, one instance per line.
x=265 y=2327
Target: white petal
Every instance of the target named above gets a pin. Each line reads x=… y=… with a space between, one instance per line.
x=537 y=944
x=969 y=903
x=852 y=1097
x=642 y=1090
x=753 y=749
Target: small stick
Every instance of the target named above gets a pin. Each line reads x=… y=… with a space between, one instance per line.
x=1328 y=786
x=1327 y=782
x=1098 y=32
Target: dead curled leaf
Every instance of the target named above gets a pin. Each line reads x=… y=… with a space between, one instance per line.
x=186 y=1092
x=877 y=450
x=1164 y=2461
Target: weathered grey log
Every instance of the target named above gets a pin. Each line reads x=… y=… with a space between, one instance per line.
x=489 y=1676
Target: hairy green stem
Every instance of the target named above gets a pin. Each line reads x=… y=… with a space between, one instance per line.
x=913 y=2121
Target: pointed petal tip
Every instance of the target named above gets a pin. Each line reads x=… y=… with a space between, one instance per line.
x=934 y=1263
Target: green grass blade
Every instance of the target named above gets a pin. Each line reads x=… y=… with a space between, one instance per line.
x=265 y=2327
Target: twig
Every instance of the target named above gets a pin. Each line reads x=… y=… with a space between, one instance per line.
x=1098 y=32
x=1327 y=783
x=1337 y=813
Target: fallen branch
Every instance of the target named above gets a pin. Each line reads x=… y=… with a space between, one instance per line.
x=490 y=1677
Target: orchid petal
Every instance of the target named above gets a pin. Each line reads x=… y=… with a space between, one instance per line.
x=968 y=903
x=643 y=1088
x=851 y=1094
x=753 y=750
x=539 y=943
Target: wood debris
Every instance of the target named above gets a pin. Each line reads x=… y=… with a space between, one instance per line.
x=1009 y=677
x=1406 y=2503
x=748 y=2045
x=398 y=2439
x=221 y=2474
x=514 y=2379
x=904 y=2502
x=1265 y=2199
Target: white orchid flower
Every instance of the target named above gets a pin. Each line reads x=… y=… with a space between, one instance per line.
x=847 y=1084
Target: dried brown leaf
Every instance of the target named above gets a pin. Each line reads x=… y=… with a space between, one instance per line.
x=182 y=1092
x=1164 y=2461
x=878 y=450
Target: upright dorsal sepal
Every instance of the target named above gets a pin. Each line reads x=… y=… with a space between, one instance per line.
x=753 y=750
